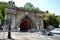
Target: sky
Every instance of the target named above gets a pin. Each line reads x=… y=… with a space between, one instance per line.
x=53 y=6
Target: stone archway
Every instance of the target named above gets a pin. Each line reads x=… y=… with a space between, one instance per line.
x=26 y=24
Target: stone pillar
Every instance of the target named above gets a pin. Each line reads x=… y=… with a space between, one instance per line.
x=41 y=25
x=13 y=21
x=6 y=17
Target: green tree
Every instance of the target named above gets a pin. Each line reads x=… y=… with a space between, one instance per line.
x=58 y=18
x=37 y=9
x=45 y=24
x=53 y=21
x=1 y=17
x=30 y=6
x=2 y=9
x=47 y=11
x=2 y=12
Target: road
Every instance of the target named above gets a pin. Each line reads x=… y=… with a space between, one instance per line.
x=54 y=37
x=29 y=36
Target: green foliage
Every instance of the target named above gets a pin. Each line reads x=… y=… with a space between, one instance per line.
x=47 y=11
x=3 y=3
x=46 y=18
x=51 y=20
x=58 y=18
x=45 y=24
x=2 y=13
x=30 y=6
x=2 y=10
x=1 y=17
x=37 y=9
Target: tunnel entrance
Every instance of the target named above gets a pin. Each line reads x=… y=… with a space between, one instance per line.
x=25 y=25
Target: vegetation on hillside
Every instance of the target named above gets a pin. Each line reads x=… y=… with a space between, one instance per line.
x=2 y=9
x=2 y=13
x=50 y=20
x=58 y=18
x=29 y=6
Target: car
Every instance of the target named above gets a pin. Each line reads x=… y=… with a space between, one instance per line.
x=55 y=31
x=44 y=32
x=49 y=33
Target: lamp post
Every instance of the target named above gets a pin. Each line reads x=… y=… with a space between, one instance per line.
x=10 y=20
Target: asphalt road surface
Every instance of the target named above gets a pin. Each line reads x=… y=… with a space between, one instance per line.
x=54 y=37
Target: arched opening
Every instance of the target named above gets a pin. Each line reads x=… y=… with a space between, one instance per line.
x=25 y=25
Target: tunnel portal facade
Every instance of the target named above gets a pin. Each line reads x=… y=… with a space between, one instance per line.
x=25 y=19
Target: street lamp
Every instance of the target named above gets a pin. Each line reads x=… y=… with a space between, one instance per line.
x=10 y=20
